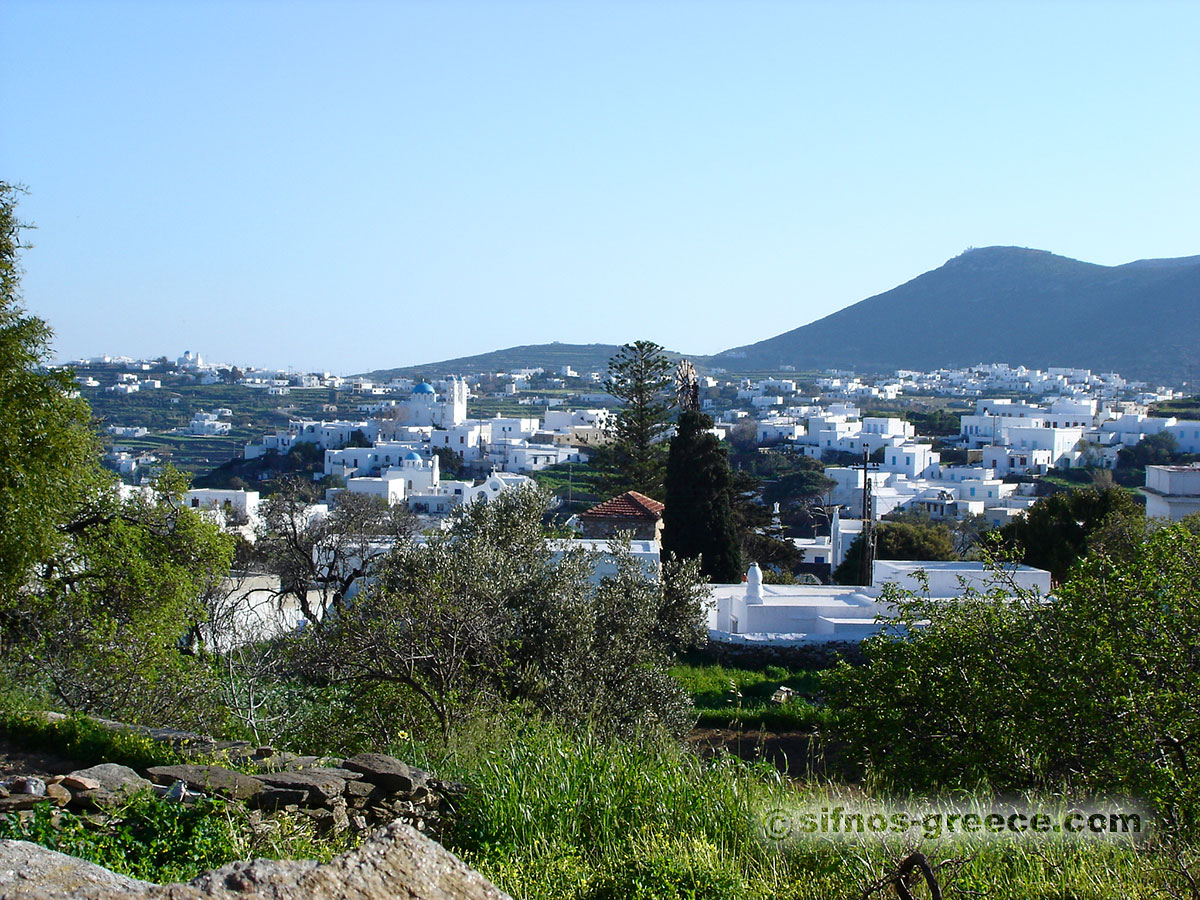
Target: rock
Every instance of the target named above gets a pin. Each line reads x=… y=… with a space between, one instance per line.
x=209 y=779
x=335 y=771
x=362 y=789
x=79 y=783
x=17 y=802
x=26 y=784
x=30 y=871
x=3 y=791
x=113 y=778
x=58 y=794
x=454 y=788
x=386 y=771
x=329 y=821
x=320 y=788
x=96 y=799
x=393 y=862
x=279 y=798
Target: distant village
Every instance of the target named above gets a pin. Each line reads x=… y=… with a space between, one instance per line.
x=1016 y=425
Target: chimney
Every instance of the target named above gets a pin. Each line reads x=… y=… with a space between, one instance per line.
x=754 y=584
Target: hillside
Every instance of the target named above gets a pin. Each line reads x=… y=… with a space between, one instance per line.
x=581 y=357
x=1009 y=304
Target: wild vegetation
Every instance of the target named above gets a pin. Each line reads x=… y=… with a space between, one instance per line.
x=484 y=656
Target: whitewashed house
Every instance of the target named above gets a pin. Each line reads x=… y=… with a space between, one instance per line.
x=756 y=613
x=1172 y=492
x=208 y=424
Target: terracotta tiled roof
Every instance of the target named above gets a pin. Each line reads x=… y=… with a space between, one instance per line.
x=629 y=505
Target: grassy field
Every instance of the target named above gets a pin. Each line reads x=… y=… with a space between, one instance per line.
x=556 y=814
x=728 y=697
x=553 y=816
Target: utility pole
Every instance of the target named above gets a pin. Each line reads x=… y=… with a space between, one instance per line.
x=867 y=572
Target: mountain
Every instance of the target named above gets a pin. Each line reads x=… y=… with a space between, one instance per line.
x=581 y=357
x=1008 y=304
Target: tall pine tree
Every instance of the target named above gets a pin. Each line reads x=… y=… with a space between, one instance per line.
x=698 y=519
x=640 y=376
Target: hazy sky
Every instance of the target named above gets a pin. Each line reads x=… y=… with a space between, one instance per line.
x=354 y=185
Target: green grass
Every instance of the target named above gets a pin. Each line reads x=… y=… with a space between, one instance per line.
x=578 y=484
x=78 y=737
x=556 y=814
x=146 y=837
x=552 y=815
x=731 y=697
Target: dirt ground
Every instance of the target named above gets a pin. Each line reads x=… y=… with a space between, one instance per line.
x=18 y=760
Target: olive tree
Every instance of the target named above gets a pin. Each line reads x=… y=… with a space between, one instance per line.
x=321 y=556
x=1103 y=678
x=491 y=611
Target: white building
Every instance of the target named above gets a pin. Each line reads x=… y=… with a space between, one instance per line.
x=1172 y=492
x=208 y=424
x=757 y=613
x=523 y=456
x=235 y=511
x=1187 y=435
x=325 y=435
x=911 y=460
x=423 y=407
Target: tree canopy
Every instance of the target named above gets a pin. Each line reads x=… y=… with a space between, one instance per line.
x=98 y=586
x=898 y=540
x=49 y=456
x=698 y=520
x=1104 y=680
x=1058 y=530
x=489 y=611
x=634 y=458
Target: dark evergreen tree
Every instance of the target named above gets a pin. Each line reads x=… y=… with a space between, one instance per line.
x=698 y=519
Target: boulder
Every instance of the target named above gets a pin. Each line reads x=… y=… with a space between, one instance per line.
x=320 y=789
x=208 y=780
x=386 y=771
x=394 y=862
x=30 y=872
x=113 y=778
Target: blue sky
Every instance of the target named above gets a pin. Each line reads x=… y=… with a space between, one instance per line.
x=355 y=185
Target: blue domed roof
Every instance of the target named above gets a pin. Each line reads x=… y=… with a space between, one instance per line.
x=413 y=454
x=423 y=388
